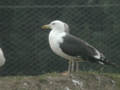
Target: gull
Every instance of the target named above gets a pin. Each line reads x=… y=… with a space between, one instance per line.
x=71 y=47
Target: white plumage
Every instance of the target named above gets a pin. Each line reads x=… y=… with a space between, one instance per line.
x=2 y=58
x=55 y=38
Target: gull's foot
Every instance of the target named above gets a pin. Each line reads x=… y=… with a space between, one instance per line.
x=65 y=73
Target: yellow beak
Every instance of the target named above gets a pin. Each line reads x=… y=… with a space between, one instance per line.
x=46 y=27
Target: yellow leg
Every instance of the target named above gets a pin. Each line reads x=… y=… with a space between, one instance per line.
x=77 y=66
x=69 y=66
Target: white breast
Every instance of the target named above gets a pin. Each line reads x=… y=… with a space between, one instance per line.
x=55 y=38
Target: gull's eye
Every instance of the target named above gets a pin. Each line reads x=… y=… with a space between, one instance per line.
x=53 y=23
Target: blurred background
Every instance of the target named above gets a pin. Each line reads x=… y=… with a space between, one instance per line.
x=25 y=44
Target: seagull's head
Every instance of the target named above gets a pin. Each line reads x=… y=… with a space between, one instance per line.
x=57 y=25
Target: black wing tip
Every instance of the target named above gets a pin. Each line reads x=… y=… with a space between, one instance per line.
x=111 y=64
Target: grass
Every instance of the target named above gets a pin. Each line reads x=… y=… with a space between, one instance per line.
x=35 y=82
x=114 y=76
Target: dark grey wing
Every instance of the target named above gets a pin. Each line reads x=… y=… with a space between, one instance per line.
x=74 y=46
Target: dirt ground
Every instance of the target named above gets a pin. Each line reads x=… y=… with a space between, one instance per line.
x=56 y=81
